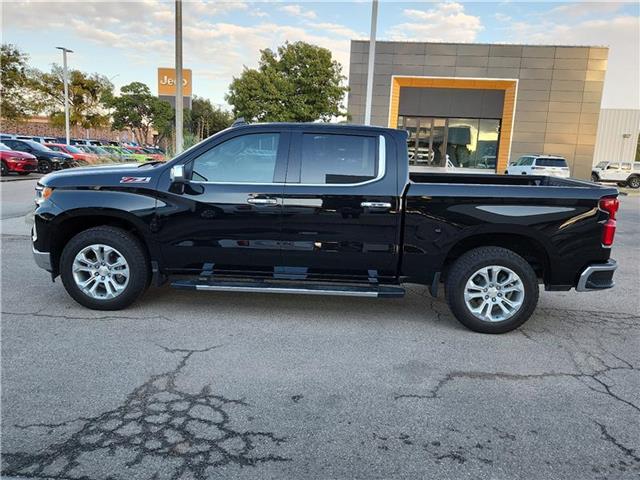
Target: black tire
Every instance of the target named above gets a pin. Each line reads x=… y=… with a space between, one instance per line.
x=633 y=182
x=4 y=171
x=133 y=252
x=472 y=261
x=595 y=177
x=45 y=166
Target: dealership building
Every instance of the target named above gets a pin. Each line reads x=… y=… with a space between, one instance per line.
x=478 y=106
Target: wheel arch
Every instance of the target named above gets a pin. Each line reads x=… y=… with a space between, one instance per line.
x=78 y=221
x=531 y=249
x=632 y=176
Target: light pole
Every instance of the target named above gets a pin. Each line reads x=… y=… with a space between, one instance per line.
x=179 y=104
x=372 y=57
x=66 y=90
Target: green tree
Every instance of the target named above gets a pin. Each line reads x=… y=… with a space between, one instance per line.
x=136 y=108
x=204 y=119
x=301 y=83
x=15 y=99
x=86 y=108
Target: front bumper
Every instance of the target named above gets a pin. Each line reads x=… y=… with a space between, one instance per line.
x=22 y=166
x=43 y=259
x=598 y=276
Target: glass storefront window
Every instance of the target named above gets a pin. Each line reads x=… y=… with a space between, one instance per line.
x=452 y=142
x=488 y=135
x=463 y=142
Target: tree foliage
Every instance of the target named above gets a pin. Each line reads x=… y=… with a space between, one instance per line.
x=86 y=92
x=204 y=119
x=299 y=83
x=136 y=108
x=15 y=100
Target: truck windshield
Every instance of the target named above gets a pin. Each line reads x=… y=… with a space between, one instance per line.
x=601 y=165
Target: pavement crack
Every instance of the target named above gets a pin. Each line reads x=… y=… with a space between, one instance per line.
x=157 y=421
x=434 y=393
x=39 y=314
x=629 y=452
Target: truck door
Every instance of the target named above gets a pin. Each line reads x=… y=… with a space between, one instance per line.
x=614 y=172
x=228 y=216
x=341 y=211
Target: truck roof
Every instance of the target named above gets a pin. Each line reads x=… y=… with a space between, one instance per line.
x=317 y=125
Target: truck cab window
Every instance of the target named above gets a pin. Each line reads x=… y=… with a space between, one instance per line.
x=244 y=159
x=336 y=159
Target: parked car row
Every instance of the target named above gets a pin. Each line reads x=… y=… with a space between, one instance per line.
x=35 y=157
x=24 y=154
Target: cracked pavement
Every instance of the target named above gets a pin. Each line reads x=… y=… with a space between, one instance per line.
x=188 y=385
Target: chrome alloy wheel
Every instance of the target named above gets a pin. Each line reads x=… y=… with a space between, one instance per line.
x=100 y=271
x=494 y=293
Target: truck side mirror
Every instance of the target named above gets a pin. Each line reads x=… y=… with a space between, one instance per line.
x=178 y=174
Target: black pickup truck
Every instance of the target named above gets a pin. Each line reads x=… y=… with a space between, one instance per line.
x=322 y=209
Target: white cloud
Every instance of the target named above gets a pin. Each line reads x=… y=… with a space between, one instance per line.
x=445 y=22
x=584 y=9
x=298 y=11
x=334 y=28
x=256 y=12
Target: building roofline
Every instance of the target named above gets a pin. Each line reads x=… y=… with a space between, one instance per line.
x=484 y=43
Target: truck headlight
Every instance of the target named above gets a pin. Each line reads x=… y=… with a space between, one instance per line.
x=42 y=193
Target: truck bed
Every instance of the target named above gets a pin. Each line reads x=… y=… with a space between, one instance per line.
x=492 y=179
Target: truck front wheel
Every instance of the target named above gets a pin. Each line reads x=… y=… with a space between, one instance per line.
x=492 y=290
x=104 y=268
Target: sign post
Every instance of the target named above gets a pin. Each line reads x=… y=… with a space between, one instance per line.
x=179 y=105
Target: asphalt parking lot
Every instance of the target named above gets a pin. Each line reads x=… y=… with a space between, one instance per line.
x=188 y=385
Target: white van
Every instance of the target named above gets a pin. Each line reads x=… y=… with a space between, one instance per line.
x=625 y=174
x=539 y=165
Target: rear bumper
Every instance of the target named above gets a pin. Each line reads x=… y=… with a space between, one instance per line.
x=598 y=276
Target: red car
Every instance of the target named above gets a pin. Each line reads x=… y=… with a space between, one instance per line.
x=20 y=162
x=77 y=154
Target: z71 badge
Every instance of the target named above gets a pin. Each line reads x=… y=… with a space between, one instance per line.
x=135 y=179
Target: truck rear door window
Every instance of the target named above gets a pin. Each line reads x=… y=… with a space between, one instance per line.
x=338 y=159
x=244 y=159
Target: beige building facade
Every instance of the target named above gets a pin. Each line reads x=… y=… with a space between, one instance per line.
x=480 y=106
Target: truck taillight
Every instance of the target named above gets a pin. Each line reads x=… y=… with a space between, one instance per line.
x=609 y=205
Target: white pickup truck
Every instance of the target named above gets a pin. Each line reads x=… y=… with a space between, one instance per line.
x=625 y=174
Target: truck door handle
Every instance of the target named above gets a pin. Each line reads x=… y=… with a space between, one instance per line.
x=262 y=201
x=375 y=205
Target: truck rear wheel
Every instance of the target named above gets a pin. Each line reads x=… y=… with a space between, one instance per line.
x=104 y=268
x=492 y=290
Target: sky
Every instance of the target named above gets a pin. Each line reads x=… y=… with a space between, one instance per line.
x=128 y=41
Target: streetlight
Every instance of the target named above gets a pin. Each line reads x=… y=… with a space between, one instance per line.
x=179 y=104
x=66 y=90
x=372 y=57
